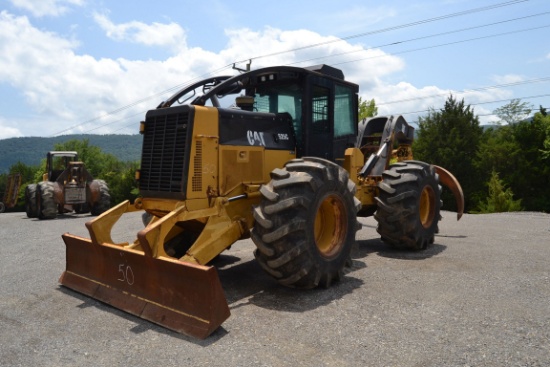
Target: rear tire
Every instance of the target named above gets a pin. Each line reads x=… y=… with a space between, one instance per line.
x=104 y=199
x=306 y=222
x=46 y=208
x=409 y=204
x=30 y=201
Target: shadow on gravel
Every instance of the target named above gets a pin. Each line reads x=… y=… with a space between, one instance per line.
x=366 y=247
x=431 y=251
x=247 y=283
x=61 y=217
x=141 y=325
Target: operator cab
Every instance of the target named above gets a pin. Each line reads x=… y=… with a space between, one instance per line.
x=317 y=101
x=57 y=162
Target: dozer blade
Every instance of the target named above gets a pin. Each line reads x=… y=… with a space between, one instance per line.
x=183 y=297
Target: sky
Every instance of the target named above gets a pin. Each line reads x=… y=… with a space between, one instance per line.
x=97 y=66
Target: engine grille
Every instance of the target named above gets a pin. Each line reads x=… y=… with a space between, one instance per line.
x=163 y=155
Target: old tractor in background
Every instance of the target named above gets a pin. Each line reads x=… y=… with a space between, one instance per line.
x=11 y=193
x=66 y=187
x=287 y=164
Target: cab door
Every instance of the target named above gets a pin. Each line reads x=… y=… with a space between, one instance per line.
x=331 y=119
x=319 y=136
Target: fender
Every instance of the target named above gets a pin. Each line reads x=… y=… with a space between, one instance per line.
x=450 y=181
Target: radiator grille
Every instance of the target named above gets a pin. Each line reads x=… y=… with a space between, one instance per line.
x=163 y=152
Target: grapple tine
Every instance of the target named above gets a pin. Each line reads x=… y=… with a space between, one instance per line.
x=450 y=181
x=183 y=297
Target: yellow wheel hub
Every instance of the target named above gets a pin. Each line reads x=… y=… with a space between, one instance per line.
x=330 y=226
x=427 y=206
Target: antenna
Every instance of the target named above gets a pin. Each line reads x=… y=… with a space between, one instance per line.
x=243 y=70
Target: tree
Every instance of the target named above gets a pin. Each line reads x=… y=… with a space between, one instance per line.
x=520 y=152
x=367 y=109
x=450 y=138
x=500 y=198
x=514 y=112
x=93 y=157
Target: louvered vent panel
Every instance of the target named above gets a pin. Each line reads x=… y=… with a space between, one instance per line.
x=163 y=153
x=197 y=176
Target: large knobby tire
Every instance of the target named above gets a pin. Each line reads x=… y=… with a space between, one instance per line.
x=306 y=222
x=103 y=202
x=46 y=207
x=30 y=201
x=409 y=203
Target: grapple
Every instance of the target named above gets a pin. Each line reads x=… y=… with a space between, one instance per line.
x=181 y=296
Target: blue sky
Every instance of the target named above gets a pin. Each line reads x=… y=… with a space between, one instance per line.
x=96 y=66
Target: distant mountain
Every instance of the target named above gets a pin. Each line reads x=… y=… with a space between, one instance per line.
x=487 y=127
x=31 y=150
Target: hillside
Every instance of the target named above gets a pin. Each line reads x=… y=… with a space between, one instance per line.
x=31 y=150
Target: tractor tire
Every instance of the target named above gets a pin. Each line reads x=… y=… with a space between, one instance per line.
x=306 y=222
x=409 y=204
x=46 y=207
x=30 y=201
x=104 y=199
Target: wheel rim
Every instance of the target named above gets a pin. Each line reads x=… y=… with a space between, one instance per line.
x=330 y=226
x=427 y=206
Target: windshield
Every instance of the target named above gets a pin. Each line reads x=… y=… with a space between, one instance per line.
x=281 y=99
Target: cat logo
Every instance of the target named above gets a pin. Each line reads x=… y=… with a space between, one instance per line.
x=255 y=138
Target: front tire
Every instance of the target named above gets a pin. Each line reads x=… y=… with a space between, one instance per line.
x=30 y=201
x=306 y=222
x=409 y=204
x=46 y=208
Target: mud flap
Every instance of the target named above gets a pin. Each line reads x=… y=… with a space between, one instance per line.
x=183 y=297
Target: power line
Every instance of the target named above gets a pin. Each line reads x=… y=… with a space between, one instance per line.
x=420 y=38
x=379 y=104
x=120 y=109
x=383 y=30
x=446 y=44
x=466 y=12
x=476 y=104
x=466 y=91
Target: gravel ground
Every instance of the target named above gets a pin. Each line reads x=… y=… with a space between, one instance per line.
x=480 y=296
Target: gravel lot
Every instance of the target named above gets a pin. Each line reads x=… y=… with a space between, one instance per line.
x=480 y=296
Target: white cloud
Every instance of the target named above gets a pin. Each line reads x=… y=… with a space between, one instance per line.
x=74 y=92
x=354 y=19
x=7 y=132
x=155 y=34
x=46 y=7
x=508 y=78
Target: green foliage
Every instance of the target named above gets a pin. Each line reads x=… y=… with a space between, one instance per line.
x=500 y=199
x=27 y=176
x=520 y=152
x=118 y=175
x=367 y=109
x=544 y=120
x=450 y=138
x=31 y=150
